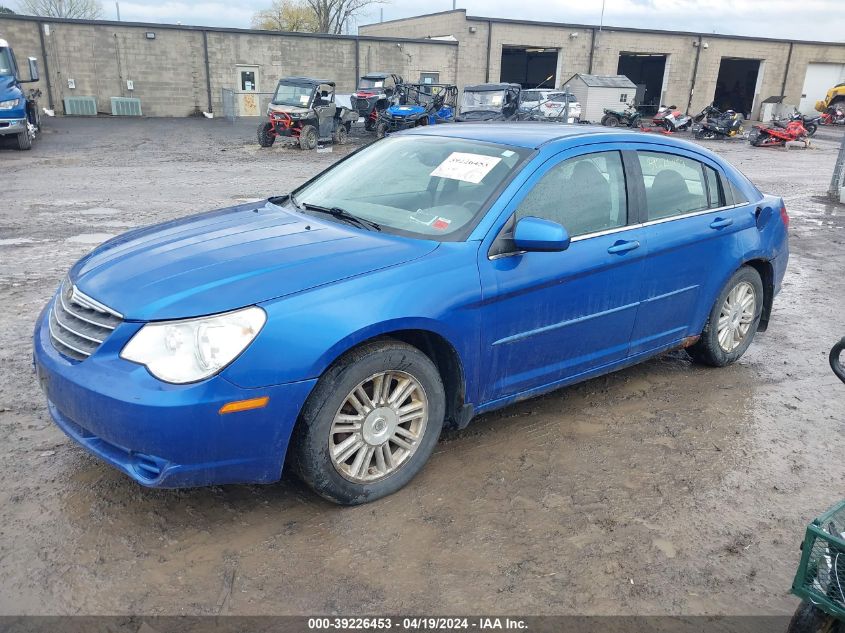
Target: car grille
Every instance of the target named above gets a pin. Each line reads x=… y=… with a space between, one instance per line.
x=79 y=324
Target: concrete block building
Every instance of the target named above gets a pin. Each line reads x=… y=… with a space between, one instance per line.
x=686 y=69
x=177 y=70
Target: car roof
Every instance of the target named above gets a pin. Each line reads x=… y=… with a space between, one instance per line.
x=306 y=80
x=526 y=134
x=491 y=87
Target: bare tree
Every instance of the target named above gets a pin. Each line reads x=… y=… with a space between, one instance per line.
x=333 y=15
x=6 y=10
x=286 y=15
x=75 y=9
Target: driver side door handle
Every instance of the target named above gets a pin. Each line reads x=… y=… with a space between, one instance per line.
x=623 y=246
x=720 y=223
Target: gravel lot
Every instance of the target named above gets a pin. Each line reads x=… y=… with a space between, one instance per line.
x=664 y=488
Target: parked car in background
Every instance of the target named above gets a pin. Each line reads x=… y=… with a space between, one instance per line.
x=531 y=99
x=434 y=275
x=555 y=107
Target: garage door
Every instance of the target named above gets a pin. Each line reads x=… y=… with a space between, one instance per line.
x=819 y=79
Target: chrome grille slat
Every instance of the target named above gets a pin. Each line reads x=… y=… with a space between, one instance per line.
x=79 y=324
x=81 y=317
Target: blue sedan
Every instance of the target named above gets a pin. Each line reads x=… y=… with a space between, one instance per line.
x=429 y=277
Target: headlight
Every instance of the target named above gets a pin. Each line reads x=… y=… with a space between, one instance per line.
x=8 y=105
x=192 y=349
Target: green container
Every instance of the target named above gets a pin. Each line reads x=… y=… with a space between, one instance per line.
x=821 y=575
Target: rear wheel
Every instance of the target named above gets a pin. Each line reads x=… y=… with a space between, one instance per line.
x=308 y=137
x=381 y=129
x=370 y=424
x=733 y=321
x=341 y=135
x=610 y=120
x=266 y=138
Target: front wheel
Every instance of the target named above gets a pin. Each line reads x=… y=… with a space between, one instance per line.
x=810 y=619
x=308 y=137
x=811 y=129
x=370 y=424
x=733 y=320
x=24 y=140
x=610 y=120
x=266 y=138
x=381 y=129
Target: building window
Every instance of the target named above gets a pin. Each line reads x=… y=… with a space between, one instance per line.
x=623 y=98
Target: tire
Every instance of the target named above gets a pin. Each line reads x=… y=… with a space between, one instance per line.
x=24 y=141
x=341 y=135
x=708 y=350
x=811 y=129
x=308 y=137
x=381 y=129
x=835 y=364
x=610 y=120
x=369 y=124
x=266 y=138
x=359 y=478
x=809 y=619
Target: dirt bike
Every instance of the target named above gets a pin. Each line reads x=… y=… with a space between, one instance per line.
x=778 y=135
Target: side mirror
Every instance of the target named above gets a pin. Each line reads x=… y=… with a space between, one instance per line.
x=33 y=69
x=536 y=234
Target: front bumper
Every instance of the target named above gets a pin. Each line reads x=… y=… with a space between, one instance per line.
x=12 y=126
x=159 y=434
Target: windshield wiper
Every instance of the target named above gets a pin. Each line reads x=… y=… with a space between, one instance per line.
x=341 y=214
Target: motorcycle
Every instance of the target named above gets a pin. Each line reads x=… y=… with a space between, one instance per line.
x=811 y=123
x=615 y=118
x=726 y=125
x=832 y=116
x=778 y=135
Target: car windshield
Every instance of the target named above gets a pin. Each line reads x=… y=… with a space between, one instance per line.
x=486 y=100
x=533 y=95
x=368 y=83
x=428 y=187
x=5 y=62
x=293 y=95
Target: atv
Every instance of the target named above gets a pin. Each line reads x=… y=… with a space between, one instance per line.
x=490 y=102
x=419 y=104
x=614 y=118
x=376 y=92
x=304 y=110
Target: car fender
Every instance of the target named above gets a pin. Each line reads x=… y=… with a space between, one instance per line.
x=306 y=332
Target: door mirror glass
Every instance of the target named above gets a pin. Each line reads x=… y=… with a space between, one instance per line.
x=537 y=234
x=33 y=69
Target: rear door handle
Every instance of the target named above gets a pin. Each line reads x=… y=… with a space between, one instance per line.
x=720 y=223
x=622 y=247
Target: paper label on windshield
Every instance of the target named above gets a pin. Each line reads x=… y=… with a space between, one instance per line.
x=303 y=99
x=467 y=167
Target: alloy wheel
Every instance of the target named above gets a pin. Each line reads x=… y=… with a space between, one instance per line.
x=737 y=315
x=379 y=426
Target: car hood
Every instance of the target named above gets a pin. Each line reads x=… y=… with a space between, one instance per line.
x=289 y=109
x=231 y=258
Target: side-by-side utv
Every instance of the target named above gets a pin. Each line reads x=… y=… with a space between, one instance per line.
x=304 y=110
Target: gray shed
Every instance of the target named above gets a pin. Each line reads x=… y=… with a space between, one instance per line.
x=597 y=92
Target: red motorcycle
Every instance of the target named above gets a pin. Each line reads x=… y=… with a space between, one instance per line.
x=832 y=116
x=779 y=134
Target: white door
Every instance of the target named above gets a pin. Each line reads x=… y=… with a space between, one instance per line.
x=819 y=79
x=246 y=86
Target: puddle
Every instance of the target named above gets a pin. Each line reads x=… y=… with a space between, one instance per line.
x=16 y=241
x=89 y=238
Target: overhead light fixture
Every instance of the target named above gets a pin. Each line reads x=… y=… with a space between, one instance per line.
x=150 y=35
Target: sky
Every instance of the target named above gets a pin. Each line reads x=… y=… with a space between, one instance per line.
x=807 y=20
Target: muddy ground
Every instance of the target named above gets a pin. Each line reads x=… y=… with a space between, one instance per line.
x=664 y=488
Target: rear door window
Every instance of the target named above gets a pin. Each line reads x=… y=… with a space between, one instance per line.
x=674 y=185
